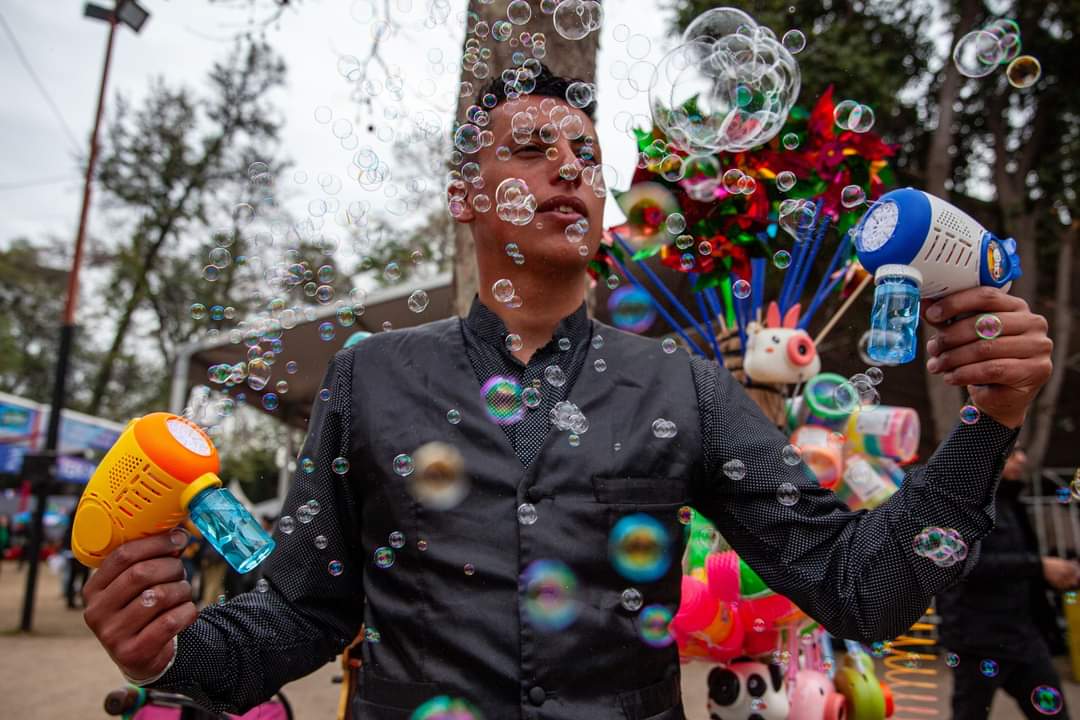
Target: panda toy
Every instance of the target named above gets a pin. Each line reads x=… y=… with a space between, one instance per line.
x=747 y=690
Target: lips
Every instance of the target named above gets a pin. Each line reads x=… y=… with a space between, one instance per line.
x=565 y=205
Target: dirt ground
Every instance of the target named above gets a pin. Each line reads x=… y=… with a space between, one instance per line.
x=59 y=672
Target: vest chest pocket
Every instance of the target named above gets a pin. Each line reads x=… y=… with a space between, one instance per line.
x=640 y=491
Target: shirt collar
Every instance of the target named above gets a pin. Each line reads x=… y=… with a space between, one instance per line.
x=489 y=327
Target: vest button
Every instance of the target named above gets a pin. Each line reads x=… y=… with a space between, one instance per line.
x=537 y=695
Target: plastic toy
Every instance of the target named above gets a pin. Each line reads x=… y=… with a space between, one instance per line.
x=747 y=689
x=867 y=698
x=162 y=468
x=813 y=697
x=780 y=352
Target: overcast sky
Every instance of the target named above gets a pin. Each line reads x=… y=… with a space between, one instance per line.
x=180 y=41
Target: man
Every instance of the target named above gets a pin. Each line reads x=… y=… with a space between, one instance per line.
x=997 y=622
x=442 y=593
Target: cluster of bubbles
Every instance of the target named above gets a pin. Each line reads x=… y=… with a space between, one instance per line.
x=575 y=19
x=796 y=216
x=640 y=548
x=736 y=182
x=728 y=87
x=566 y=416
x=551 y=598
x=304 y=514
x=853 y=116
x=980 y=52
x=943 y=546
x=860 y=390
x=514 y=203
x=664 y=429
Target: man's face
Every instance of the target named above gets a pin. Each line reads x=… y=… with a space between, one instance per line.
x=557 y=166
x=1015 y=465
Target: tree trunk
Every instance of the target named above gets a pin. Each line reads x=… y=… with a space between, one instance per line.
x=570 y=58
x=1043 y=412
x=945 y=400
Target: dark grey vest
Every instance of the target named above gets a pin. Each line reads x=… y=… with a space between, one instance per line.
x=443 y=631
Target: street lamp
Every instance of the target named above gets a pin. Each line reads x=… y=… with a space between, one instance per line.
x=39 y=468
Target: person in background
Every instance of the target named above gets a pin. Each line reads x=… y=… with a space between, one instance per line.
x=997 y=621
x=77 y=573
x=5 y=537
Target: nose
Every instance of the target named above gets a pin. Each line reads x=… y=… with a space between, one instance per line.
x=800 y=350
x=566 y=157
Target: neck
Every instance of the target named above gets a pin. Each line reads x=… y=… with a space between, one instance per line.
x=547 y=298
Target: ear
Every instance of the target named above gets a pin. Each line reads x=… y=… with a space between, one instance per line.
x=791 y=318
x=772 y=317
x=777 y=676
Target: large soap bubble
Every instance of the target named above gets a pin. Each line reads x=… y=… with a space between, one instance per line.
x=727 y=93
x=717 y=23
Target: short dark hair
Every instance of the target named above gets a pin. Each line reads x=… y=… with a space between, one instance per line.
x=548 y=84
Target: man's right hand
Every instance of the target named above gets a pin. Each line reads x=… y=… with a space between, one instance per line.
x=1062 y=574
x=139 y=635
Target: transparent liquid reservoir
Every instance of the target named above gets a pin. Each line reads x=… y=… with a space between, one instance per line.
x=894 y=320
x=231 y=529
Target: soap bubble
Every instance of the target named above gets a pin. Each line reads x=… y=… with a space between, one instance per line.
x=513 y=342
x=787 y=494
x=791 y=455
x=503 y=290
x=781 y=259
x=735 y=469
x=730 y=180
x=286 y=524
x=554 y=376
x=742 y=84
x=669 y=346
x=550 y=588
x=631 y=599
x=988 y=326
x=686 y=514
x=514 y=203
x=270 y=401
x=467 y=138
x=785 y=181
x=969 y=414
x=875 y=375
x=852 y=196
x=790 y=141
x=439 y=482
x=952 y=659
x=321 y=542
x=304 y=514
x=384 y=558
x=988 y=667
x=531 y=397
x=262 y=585
x=600 y=365
x=794 y=41
x=418 y=301
x=640 y=548
x=453 y=416
x=1047 y=700
x=716 y=23
x=502 y=399
x=518 y=12
x=864 y=121
x=740 y=289
x=1023 y=72
x=653 y=625
x=445 y=707
x=526 y=514
x=340 y=465
x=631 y=309
x=574 y=19
x=335 y=567
x=403 y=465
x=148 y=598
x=977 y=54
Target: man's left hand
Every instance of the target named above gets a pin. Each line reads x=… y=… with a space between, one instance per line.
x=1002 y=375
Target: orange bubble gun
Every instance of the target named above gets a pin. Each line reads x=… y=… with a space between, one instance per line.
x=162 y=469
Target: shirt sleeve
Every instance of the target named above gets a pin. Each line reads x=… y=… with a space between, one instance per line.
x=855 y=572
x=239 y=654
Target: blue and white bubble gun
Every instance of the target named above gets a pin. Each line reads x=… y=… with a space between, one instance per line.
x=919 y=246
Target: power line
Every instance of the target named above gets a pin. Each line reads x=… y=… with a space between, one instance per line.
x=20 y=184
x=40 y=85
